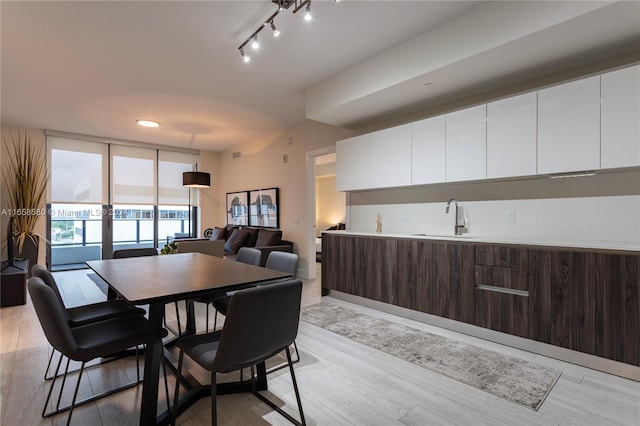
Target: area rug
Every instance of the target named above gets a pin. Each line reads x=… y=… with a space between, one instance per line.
x=510 y=378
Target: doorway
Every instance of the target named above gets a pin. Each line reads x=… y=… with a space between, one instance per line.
x=326 y=206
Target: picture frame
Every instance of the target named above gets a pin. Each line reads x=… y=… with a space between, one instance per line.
x=264 y=209
x=238 y=208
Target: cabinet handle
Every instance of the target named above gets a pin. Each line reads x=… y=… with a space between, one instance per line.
x=503 y=290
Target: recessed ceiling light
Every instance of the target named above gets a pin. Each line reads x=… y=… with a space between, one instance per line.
x=148 y=123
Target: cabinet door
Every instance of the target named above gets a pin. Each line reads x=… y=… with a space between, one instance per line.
x=451 y=287
x=415 y=272
x=338 y=271
x=511 y=136
x=466 y=144
x=428 y=151
x=353 y=163
x=391 y=157
x=550 y=294
x=569 y=127
x=621 y=118
x=375 y=263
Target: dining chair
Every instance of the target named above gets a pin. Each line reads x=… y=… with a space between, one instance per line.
x=84 y=314
x=83 y=343
x=141 y=252
x=248 y=255
x=261 y=322
x=284 y=262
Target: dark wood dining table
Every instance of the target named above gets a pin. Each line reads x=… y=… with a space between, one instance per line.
x=157 y=280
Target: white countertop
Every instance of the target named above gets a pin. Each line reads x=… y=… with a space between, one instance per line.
x=471 y=238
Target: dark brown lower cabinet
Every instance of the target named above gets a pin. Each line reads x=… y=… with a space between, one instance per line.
x=360 y=266
x=437 y=278
x=584 y=300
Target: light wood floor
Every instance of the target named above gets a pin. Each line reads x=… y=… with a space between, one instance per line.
x=342 y=383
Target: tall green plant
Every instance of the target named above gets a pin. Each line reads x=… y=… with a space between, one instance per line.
x=25 y=179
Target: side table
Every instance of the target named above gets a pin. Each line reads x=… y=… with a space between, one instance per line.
x=13 y=284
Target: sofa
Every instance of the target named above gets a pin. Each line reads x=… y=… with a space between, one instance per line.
x=212 y=248
x=264 y=239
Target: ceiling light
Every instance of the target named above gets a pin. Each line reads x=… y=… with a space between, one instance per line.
x=307 y=12
x=276 y=32
x=148 y=123
x=244 y=56
x=254 y=42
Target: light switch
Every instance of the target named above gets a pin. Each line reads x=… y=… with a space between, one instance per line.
x=511 y=216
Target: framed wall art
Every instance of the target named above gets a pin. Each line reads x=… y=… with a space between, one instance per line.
x=263 y=208
x=237 y=208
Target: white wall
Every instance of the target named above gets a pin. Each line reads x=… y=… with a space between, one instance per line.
x=261 y=165
x=603 y=208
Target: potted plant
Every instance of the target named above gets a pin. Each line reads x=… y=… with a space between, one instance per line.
x=25 y=179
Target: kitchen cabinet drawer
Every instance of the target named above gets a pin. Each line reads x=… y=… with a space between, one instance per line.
x=505 y=278
x=503 y=256
x=507 y=313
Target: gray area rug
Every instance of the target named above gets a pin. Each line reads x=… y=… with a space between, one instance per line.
x=510 y=378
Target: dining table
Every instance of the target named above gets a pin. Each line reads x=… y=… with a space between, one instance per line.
x=158 y=280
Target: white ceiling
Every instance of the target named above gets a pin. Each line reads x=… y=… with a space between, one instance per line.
x=95 y=67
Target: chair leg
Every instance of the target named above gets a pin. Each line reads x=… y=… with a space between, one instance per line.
x=295 y=388
x=75 y=394
x=215 y=319
x=207 y=319
x=53 y=383
x=178 y=318
x=214 y=400
x=295 y=384
x=174 y=411
x=49 y=364
x=64 y=380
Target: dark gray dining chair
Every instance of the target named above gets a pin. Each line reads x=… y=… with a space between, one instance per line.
x=284 y=262
x=83 y=343
x=84 y=314
x=261 y=322
x=248 y=255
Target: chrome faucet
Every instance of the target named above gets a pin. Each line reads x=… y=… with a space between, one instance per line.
x=457 y=227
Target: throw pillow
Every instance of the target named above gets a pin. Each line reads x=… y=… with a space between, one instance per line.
x=235 y=241
x=269 y=237
x=218 y=233
x=252 y=238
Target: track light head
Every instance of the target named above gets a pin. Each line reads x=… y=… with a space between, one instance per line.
x=276 y=32
x=244 y=56
x=307 y=12
x=254 y=42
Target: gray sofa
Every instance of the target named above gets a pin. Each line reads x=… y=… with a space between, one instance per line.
x=264 y=239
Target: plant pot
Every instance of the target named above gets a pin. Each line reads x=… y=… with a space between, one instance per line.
x=29 y=250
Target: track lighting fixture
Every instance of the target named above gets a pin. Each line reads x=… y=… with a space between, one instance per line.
x=282 y=5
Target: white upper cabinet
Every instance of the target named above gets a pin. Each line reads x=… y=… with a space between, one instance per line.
x=621 y=118
x=390 y=152
x=511 y=136
x=466 y=144
x=569 y=127
x=352 y=163
x=428 y=151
